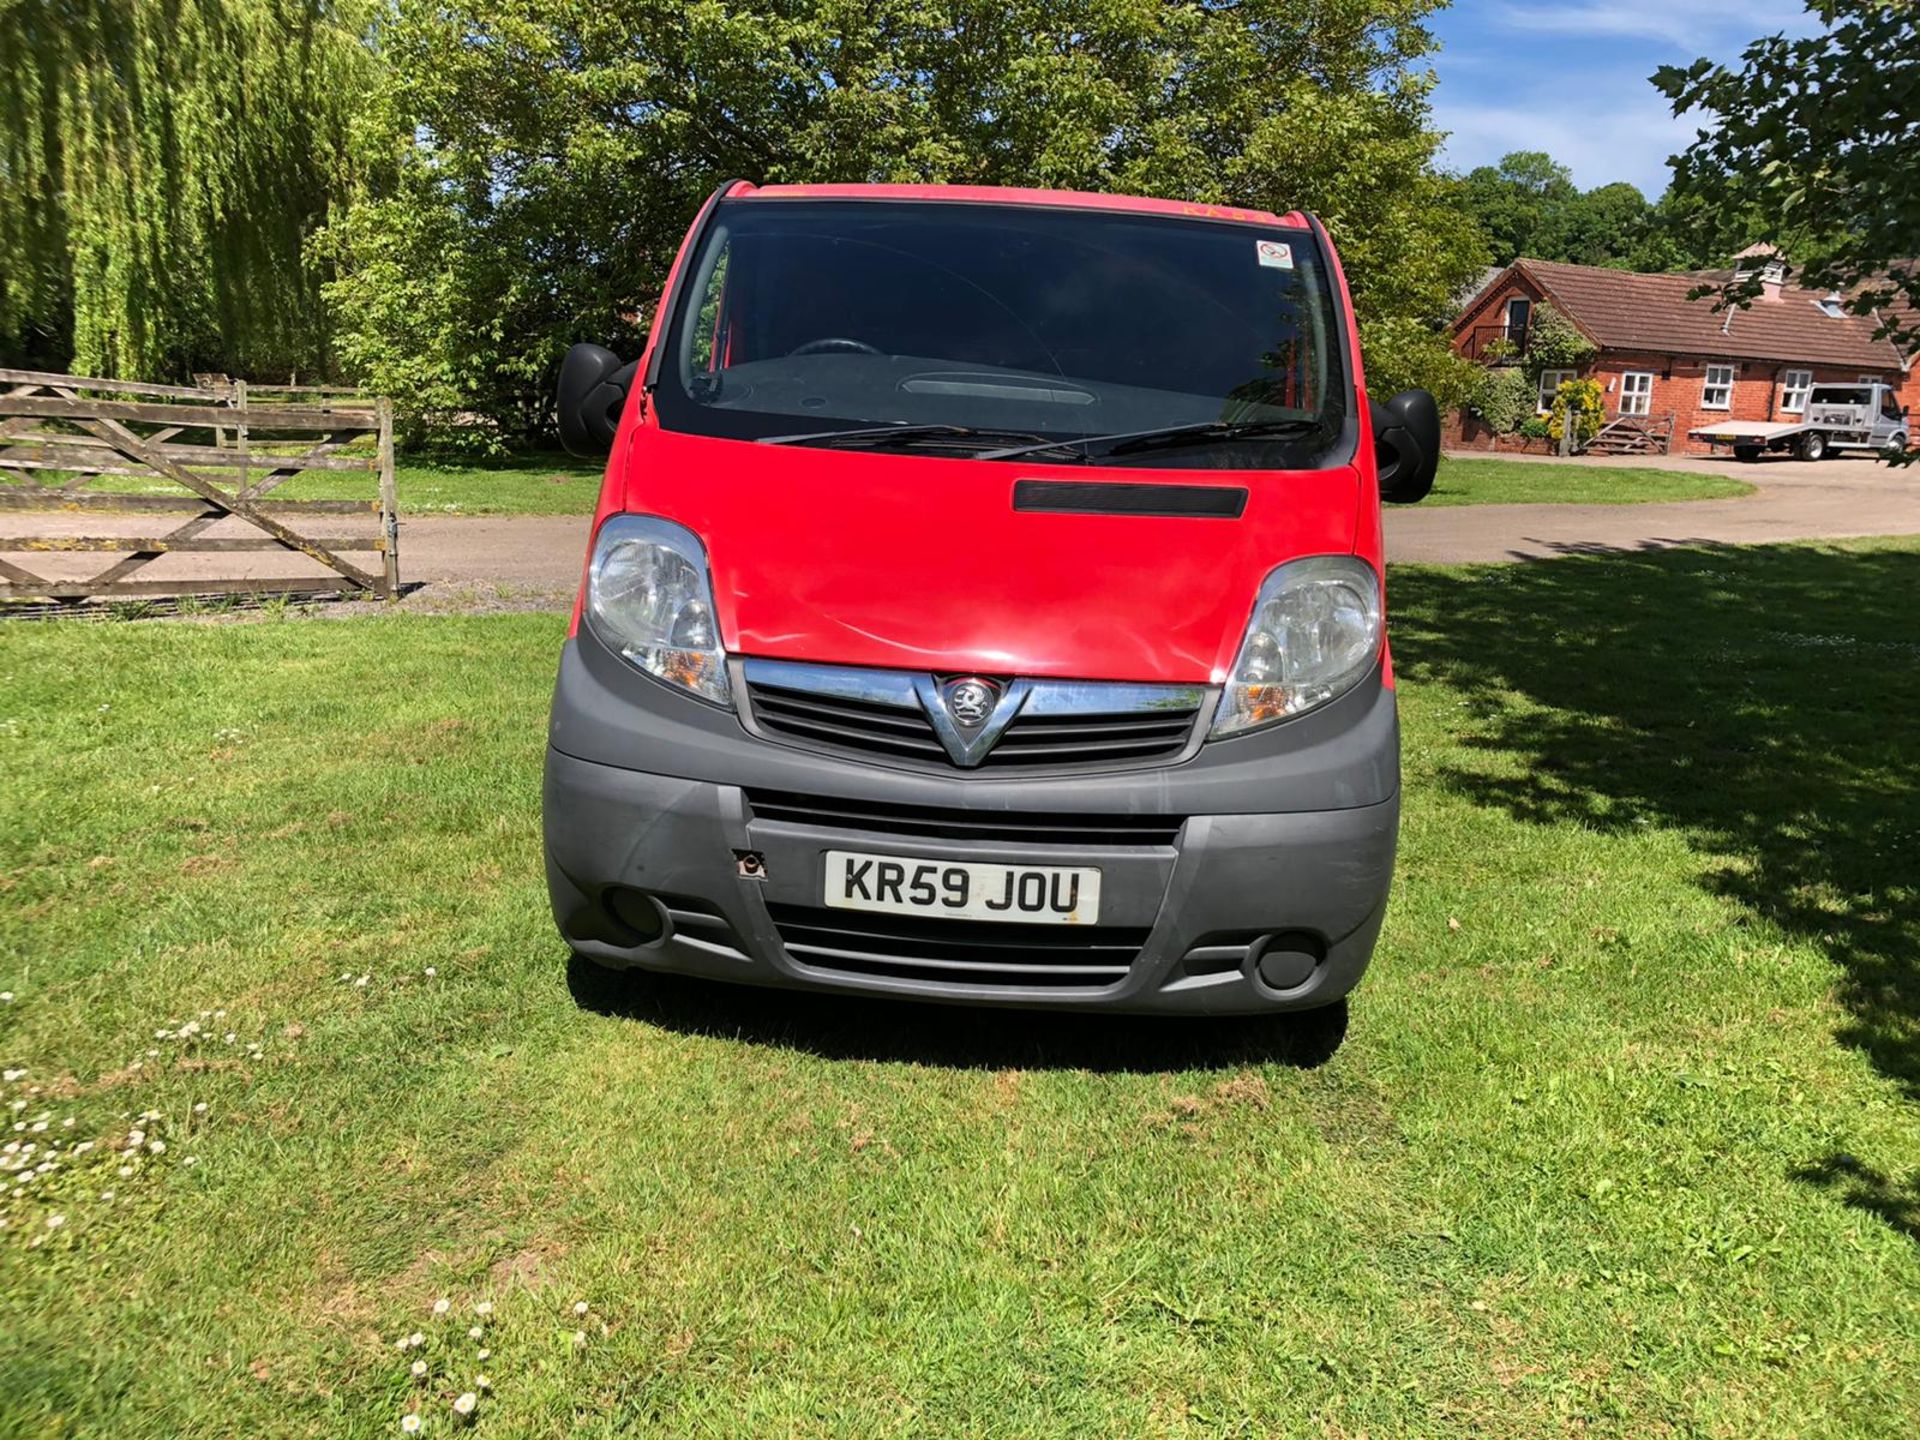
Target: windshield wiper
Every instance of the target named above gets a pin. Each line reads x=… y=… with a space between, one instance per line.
x=895 y=432
x=1204 y=432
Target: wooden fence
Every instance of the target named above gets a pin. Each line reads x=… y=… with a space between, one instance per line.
x=210 y=457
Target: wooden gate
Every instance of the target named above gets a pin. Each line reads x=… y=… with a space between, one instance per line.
x=185 y=461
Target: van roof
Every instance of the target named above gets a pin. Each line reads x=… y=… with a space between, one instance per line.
x=1010 y=195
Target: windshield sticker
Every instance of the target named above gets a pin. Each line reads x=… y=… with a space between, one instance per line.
x=1272 y=252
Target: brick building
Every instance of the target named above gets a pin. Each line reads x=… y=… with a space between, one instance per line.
x=1667 y=363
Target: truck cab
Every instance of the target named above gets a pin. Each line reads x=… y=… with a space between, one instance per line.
x=986 y=604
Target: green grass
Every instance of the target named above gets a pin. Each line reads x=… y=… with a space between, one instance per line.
x=1581 y=482
x=1623 y=1138
x=560 y=485
x=523 y=485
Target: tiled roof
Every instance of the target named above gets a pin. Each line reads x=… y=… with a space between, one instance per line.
x=1621 y=310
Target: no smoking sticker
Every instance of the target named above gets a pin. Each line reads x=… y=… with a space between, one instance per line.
x=1272 y=252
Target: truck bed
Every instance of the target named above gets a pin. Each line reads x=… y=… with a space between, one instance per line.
x=1749 y=432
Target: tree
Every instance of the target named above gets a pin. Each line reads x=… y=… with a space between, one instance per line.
x=161 y=167
x=1819 y=134
x=1518 y=203
x=1529 y=206
x=546 y=156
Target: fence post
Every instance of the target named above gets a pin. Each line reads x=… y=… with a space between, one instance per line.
x=241 y=440
x=389 y=519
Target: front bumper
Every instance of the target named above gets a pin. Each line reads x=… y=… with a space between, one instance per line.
x=1262 y=889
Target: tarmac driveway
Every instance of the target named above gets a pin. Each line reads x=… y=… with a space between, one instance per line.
x=1796 y=500
x=541 y=555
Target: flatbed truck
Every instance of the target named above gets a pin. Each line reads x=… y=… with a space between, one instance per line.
x=1834 y=418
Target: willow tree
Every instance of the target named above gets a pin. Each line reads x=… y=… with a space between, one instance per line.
x=162 y=164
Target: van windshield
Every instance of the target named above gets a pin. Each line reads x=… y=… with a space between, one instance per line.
x=986 y=330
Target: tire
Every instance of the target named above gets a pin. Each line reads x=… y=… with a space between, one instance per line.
x=1749 y=454
x=1897 y=446
x=1813 y=446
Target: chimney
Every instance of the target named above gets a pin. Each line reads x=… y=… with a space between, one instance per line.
x=1766 y=261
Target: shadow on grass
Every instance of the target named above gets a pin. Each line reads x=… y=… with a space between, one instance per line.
x=1861 y=1187
x=843 y=1027
x=1765 y=701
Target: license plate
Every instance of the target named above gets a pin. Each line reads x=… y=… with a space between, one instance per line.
x=963 y=890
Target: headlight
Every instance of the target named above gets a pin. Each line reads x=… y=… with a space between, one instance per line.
x=1315 y=633
x=649 y=599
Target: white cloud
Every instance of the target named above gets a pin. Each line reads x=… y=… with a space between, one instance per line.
x=1697 y=27
x=1625 y=138
x=1570 y=77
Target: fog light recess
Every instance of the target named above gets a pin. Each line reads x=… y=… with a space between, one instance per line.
x=638 y=912
x=1286 y=961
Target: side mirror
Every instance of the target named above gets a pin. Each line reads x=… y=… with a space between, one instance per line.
x=1406 y=445
x=593 y=387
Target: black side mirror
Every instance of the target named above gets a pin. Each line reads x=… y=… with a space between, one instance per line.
x=1406 y=445
x=593 y=387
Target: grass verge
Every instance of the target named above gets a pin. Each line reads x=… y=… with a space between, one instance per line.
x=1622 y=1139
x=561 y=485
x=1472 y=481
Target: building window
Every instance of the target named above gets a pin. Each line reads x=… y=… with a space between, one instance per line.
x=1519 y=312
x=1869 y=379
x=1636 y=392
x=1550 y=382
x=1717 y=392
x=1794 y=385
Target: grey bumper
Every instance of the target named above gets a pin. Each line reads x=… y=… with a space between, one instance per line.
x=1264 y=891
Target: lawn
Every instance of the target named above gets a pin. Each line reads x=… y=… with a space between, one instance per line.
x=1474 y=481
x=524 y=485
x=1623 y=1138
x=554 y=484
x=561 y=485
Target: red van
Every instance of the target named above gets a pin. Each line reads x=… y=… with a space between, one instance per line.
x=985 y=604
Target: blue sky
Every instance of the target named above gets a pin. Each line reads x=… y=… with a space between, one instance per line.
x=1570 y=77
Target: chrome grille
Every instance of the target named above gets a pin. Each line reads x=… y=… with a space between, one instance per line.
x=845 y=724
x=1042 y=724
x=1093 y=739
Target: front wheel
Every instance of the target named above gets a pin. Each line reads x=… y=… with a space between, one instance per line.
x=1897 y=446
x=1814 y=447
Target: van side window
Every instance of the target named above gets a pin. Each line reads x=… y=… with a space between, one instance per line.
x=709 y=351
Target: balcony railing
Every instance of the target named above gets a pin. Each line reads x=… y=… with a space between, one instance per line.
x=1496 y=344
